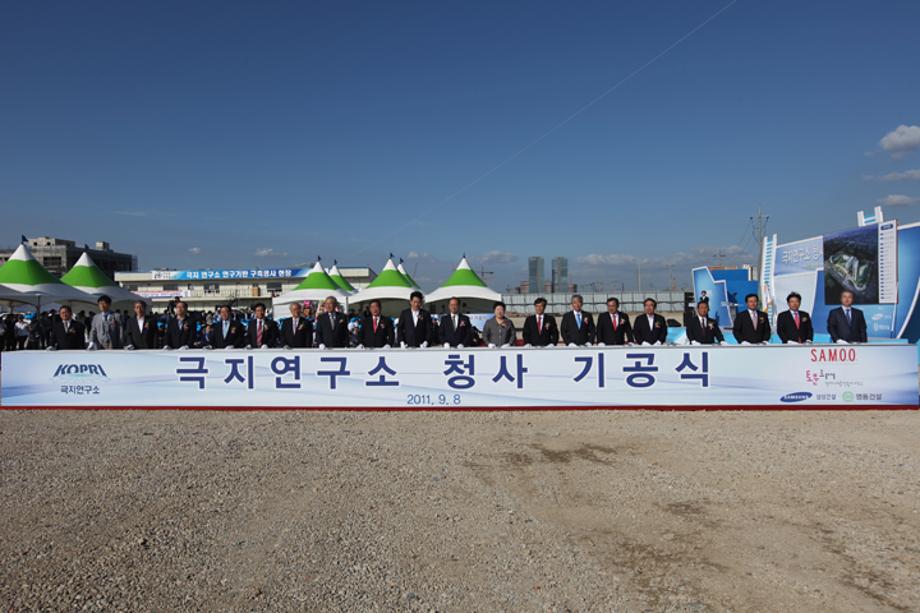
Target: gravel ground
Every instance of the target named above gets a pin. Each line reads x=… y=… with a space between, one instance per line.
x=603 y=511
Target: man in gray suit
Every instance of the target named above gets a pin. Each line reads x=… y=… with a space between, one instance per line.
x=105 y=331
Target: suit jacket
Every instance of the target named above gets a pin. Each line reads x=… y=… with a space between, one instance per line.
x=608 y=335
x=704 y=335
x=463 y=335
x=785 y=327
x=744 y=327
x=269 y=333
x=106 y=335
x=180 y=336
x=332 y=332
x=840 y=329
x=549 y=335
x=414 y=335
x=384 y=335
x=657 y=333
x=74 y=338
x=301 y=337
x=236 y=336
x=571 y=333
x=141 y=339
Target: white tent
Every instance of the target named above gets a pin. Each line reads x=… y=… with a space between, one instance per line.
x=466 y=285
x=317 y=285
x=36 y=286
x=89 y=278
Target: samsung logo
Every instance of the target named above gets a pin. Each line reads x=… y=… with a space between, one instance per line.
x=796 y=397
x=80 y=370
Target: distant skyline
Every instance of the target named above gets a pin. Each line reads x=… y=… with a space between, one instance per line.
x=235 y=134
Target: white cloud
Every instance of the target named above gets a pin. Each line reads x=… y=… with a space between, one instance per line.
x=269 y=252
x=898 y=200
x=901 y=141
x=607 y=259
x=907 y=175
x=497 y=257
x=698 y=255
x=194 y=250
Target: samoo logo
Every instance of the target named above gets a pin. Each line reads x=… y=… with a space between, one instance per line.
x=796 y=397
x=80 y=370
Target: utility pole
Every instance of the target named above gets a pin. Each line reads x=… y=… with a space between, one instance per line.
x=639 y=274
x=759 y=229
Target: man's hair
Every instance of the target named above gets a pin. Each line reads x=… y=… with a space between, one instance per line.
x=574 y=296
x=751 y=296
x=103 y=298
x=540 y=300
x=452 y=298
x=416 y=294
x=794 y=295
x=701 y=303
x=65 y=306
x=224 y=306
x=182 y=302
x=848 y=291
x=612 y=299
x=142 y=303
x=498 y=303
x=257 y=305
x=377 y=302
x=650 y=299
x=333 y=299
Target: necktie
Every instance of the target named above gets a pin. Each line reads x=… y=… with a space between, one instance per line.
x=702 y=323
x=375 y=325
x=613 y=318
x=540 y=324
x=849 y=317
x=795 y=315
x=453 y=319
x=259 y=332
x=67 y=326
x=754 y=318
x=225 y=327
x=577 y=319
x=332 y=319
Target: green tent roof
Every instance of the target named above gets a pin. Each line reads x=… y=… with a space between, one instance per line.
x=464 y=275
x=402 y=270
x=390 y=277
x=23 y=269
x=85 y=273
x=341 y=281
x=318 y=279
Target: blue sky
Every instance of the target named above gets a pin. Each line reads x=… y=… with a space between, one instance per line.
x=249 y=134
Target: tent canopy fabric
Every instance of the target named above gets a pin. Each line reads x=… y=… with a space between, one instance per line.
x=23 y=273
x=341 y=281
x=390 y=284
x=464 y=283
x=402 y=270
x=89 y=278
x=317 y=285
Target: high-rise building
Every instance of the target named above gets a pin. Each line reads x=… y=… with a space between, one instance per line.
x=560 y=274
x=59 y=255
x=535 y=278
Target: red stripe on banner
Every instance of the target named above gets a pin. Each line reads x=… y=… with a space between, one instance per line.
x=661 y=407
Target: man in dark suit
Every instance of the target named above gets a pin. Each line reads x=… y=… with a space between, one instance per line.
x=262 y=333
x=296 y=331
x=752 y=326
x=650 y=328
x=702 y=329
x=376 y=330
x=414 y=328
x=181 y=331
x=67 y=333
x=613 y=327
x=228 y=334
x=847 y=324
x=794 y=326
x=540 y=329
x=141 y=330
x=577 y=327
x=331 y=326
x=455 y=329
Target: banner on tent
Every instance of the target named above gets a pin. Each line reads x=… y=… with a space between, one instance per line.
x=737 y=376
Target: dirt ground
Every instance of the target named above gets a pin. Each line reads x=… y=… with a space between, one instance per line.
x=592 y=510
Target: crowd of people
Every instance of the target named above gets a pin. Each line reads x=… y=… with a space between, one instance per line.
x=227 y=328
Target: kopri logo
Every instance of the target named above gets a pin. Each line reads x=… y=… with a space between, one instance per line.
x=80 y=371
